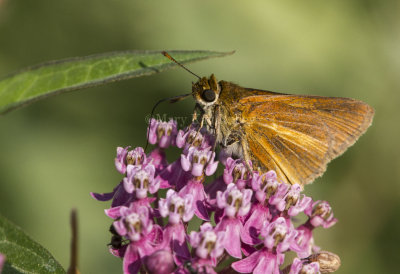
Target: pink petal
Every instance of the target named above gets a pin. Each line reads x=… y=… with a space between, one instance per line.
x=132 y=261
x=141 y=193
x=194 y=238
x=121 y=196
x=152 y=132
x=232 y=228
x=102 y=196
x=300 y=207
x=156 y=235
x=181 y=139
x=144 y=247
x=201 y=211
x=196 y=189
x=163 y=207
x=120 y=227
x=154 y=186
x=211 y=168
x=228 y=178
x=248 y=249
x=128 y=186
x=260 y=196
x=164 y=142
x=197 y=169
x=213 y=187
x=267 y=264
x=241 y=184
x=179 y=246
x=185 y=162
x=113 y=212
x=248 y=264
x=329 y=223
x=121 y=167
x=253 y=225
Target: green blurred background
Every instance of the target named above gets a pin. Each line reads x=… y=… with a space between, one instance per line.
x=54 y=152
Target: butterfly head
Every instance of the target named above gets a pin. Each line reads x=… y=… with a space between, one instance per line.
x=206 y=91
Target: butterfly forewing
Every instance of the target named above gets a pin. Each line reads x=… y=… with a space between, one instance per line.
x=296 y=135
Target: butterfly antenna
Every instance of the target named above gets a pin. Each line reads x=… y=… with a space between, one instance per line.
x=171 y=100
x=182 y=66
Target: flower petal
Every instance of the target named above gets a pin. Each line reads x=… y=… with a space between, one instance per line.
x=248 y=264
x=267 y=264
x=102 y=196
x=232 y=237
x=211 y=168
x=113 y=212
x=253 y=225
x=132 y=261
x=185 y=162
x=128 y=186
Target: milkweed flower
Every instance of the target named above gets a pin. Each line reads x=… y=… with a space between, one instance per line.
x=264 y=186
x=208 y=242
x=179 y=210
x=135 y=225
x=162 y=133
x=292 y=201
x=277 y=238
x=127 y=157
x=199 y=161
x=247 y=215
x=320 y=213
x=192 y=137
x=235 y=203
x=140 y=180
x=236 y=172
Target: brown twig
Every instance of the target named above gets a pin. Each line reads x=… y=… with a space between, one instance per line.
x=73 y=265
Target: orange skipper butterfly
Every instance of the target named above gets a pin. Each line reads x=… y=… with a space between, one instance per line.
x=295 y=135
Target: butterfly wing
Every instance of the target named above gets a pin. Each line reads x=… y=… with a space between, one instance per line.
x=298 y=135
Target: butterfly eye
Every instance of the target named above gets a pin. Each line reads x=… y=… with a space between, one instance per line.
x=208 y=95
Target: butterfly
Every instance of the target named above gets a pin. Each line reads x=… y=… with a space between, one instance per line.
x=294 y=135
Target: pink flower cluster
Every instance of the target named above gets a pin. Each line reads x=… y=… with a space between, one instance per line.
x=247 y=217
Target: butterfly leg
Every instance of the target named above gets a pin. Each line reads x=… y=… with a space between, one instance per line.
x=197 y=107
x=246 y=156
x=194 y=118
x=217 y=124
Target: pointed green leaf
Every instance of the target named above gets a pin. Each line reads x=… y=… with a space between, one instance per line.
x=54 y=77
x=23 y=255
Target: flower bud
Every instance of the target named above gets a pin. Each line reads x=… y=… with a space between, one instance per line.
x=160 y=262
x=328 y=261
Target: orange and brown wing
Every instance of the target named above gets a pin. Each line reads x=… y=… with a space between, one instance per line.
x=232 y=93
x=298 y=135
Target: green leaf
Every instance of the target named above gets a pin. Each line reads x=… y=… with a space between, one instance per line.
x=23 y=255
x=59 y=76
